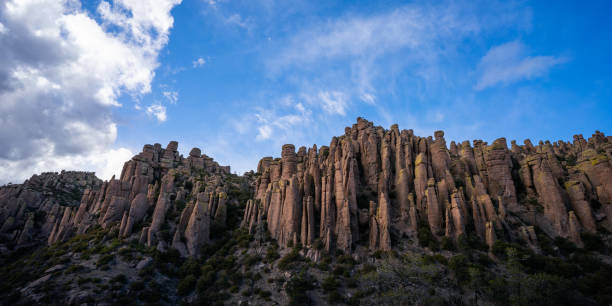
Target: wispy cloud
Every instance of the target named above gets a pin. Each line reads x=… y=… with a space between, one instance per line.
x=157 y=111
x=238 y=20
x=333 y=102
x=509 y=63
x=199 y=62
x=412 y=27
x=362 y=56
x=264 y=132
x=368 y=98
x=171 y=96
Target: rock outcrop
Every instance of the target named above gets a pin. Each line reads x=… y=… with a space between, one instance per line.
x=371 y=187
x=161 y=198
x=32 y=211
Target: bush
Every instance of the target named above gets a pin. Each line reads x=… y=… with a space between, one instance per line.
x=426 y=238
x=447 y=244
x=264 y=294
x=251 y=260
x=544 y=289
x=592 y=242
x=338 y=270
x=367 y=268
x=186 y=285
x=499 y=249
x=346 y=259
x=190 y=266
x=105 y=259
x=439 y=258
x=329 y=284
x=458 y=264
x=272 y=254
x=285 y=262
x=565 y=246
x=119 y=279
x=334 y=297
x=137 y=286
x=296 y=289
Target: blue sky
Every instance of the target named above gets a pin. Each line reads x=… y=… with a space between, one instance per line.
x=240 y=78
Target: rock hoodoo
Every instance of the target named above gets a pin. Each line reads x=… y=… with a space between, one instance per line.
x=372 y=187
x=161 y=197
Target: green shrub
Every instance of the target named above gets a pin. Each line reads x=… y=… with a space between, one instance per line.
x=330 y=283
x=137 y=286
x=105 y=259
x=74 y=269
x=346 y=259
x=592 y=242
x=296 y=289
x=426 y=238
x=339 y=270
x=186 y=285
x=565 y=246
x=272 y=254
x=190 y=266
x=264 y=294
x=447 y=244
x=250 y=260
x=459 y=264
x=119 y=279
x=334 y=297
x=287 y=260
x=367 y=268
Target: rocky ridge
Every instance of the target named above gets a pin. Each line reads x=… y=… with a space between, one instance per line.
x=377 y=188
x=378 y=216
x=162 y=198
x=31 y=210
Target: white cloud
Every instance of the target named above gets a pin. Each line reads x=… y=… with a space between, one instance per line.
x=366 y=56
x=333 y=102
x=60 y=88
x=198 y=62
x=264 y=132
x=368 y=98
x=509 y=63
x=171 y=96
x=157 y=111
x=279 y=124
x=104 y=163
x=236 y=19
x=412 y=27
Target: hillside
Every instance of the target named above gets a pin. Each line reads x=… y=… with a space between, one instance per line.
x=377 y=217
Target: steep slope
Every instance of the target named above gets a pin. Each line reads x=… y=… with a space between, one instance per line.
x=377 y=217
x=156 y=186
x=30 y=211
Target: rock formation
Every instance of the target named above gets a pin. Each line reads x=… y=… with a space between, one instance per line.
x=160 y=195
x=372 y=187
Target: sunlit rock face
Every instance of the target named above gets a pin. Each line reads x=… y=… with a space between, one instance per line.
x=374 y=187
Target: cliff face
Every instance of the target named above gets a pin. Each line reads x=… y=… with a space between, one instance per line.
x=29 y=211
x=375 y=187
x=370 y=187
x=161 y=198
